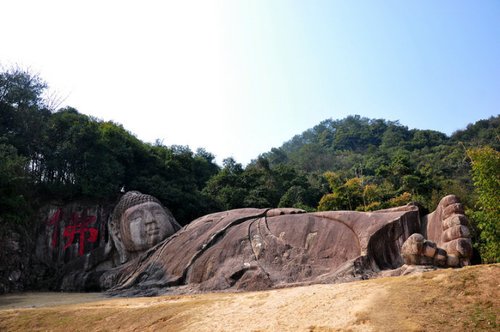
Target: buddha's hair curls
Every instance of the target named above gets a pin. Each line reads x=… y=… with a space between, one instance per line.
x=131 y=198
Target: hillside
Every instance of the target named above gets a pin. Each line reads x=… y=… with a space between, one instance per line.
x=363 y=136
x=423 y=163
x=466 y=299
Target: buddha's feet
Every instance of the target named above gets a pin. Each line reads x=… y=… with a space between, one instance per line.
x=448 y=227
x=455 y=238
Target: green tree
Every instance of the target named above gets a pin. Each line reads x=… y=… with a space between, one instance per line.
x=331 y=202
x=13 y=185
x=295 y=197
x=353 y=189
x=486 y=176
x=226 y=187
x=371 y=197
x=21 y=88
x=23 y=114
x=345 y=194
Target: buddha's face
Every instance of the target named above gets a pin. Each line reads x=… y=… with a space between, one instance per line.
x=145 y=225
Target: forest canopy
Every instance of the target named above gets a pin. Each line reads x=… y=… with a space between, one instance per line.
x=354 y=163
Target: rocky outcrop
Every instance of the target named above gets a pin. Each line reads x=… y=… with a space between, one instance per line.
x=77 y=247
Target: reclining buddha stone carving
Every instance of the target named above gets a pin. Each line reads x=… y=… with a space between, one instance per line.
x=253 y=249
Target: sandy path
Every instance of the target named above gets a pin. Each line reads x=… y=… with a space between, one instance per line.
x=311 y=308
x=45 y=299
x=318 y=307
x=465 y=299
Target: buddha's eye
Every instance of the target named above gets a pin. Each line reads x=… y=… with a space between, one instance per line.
x=136 y=220
x=160 y=215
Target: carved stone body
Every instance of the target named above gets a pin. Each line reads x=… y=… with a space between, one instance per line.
x=253 y=249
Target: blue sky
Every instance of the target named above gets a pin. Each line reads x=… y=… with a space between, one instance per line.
x=241 y=77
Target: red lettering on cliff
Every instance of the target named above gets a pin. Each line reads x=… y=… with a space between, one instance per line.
x=79 y=224
x=70 y=232
x=54 y=221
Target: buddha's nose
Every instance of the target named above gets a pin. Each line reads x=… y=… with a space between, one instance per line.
x=149 y=218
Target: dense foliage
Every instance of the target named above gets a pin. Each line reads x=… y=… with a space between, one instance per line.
x=369 y=162
x=65 y=155
x=486 y=177
x=353 y=163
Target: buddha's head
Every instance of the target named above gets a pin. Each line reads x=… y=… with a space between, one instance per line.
x=139 y=222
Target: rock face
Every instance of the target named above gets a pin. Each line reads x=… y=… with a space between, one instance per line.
x=254 y=249
x=72 y=240
x=14 y=258
x=53 y=249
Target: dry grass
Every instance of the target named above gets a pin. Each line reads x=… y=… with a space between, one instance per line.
x=444 y=300
x=466 y=299
x=139 y=314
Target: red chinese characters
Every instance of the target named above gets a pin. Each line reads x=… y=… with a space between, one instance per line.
x=79 y=225
x=54 y=221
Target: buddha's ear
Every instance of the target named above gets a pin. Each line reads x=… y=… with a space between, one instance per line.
x=117 y=240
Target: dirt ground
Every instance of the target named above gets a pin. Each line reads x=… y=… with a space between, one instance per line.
x=466 y=299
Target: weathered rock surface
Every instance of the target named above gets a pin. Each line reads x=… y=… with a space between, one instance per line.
x=73 y=243
x=77 y=248
x=20 y=269
x=14 y=258
x=255 y=249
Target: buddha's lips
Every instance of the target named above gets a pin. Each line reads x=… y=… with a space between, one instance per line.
x=154 y=231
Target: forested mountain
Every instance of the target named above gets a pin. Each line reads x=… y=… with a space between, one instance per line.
x=353 y=163
x=388 y=157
